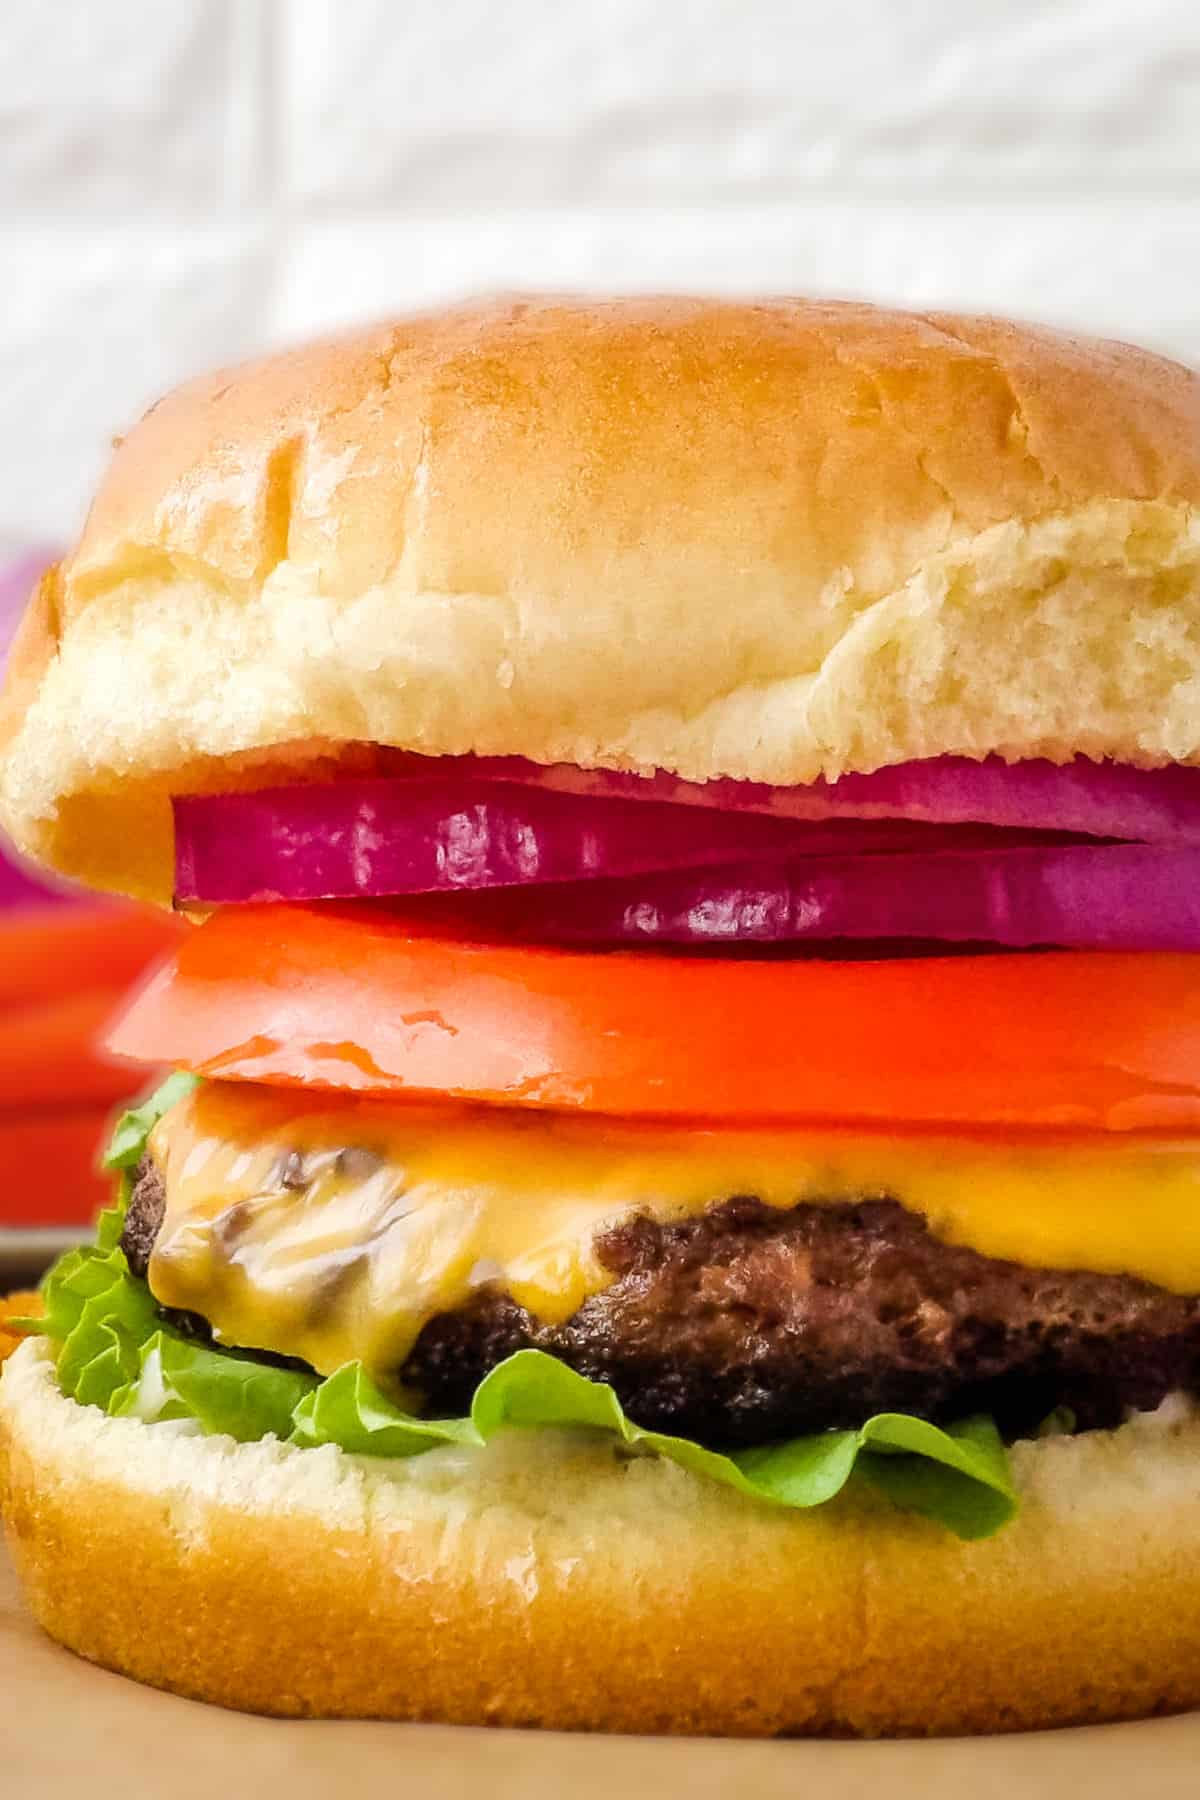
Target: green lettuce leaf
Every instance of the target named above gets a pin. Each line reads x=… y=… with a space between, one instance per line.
x=958 y=1477
x=103 y=1316
x=128 y=1143
x=116 y=1352
x=233 y=1395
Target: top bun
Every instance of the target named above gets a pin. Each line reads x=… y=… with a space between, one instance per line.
x=774 y=540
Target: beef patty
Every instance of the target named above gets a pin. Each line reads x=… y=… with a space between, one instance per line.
x=749 y=1324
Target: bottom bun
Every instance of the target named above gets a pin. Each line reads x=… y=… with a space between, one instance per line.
x=549 y=1581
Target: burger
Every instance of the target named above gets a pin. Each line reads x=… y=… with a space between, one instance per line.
x=677 y=1202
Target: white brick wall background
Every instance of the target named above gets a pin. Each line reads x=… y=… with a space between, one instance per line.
x=185 y=181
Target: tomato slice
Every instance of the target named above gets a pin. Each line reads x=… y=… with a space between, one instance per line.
x=370 y=1001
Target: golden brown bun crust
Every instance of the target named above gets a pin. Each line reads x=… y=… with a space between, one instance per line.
x=546 y=1583
x=761 y=540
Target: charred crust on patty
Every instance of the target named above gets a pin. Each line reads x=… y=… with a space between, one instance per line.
x=144 y=1214
x=749 y=1324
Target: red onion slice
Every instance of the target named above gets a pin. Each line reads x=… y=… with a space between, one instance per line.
x=1088 y=799
x=1120 y=897
x=383 y=836
x=946 y=850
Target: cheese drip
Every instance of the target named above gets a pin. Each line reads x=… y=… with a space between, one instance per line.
x=336 y=1232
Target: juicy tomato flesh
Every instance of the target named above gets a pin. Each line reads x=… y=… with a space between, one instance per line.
x=349 y=998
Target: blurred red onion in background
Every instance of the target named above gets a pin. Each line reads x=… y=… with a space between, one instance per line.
x=66 y=959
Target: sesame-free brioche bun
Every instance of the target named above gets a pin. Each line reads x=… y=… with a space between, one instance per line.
x=772 y=540
x=546 y=1581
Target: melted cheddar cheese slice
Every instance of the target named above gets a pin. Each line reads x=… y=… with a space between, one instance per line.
x=334 y=1233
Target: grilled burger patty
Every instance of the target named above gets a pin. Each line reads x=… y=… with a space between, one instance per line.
x=750 y=1324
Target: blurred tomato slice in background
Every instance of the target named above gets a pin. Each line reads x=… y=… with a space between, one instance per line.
x=48 y=1173
x=66 y=961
